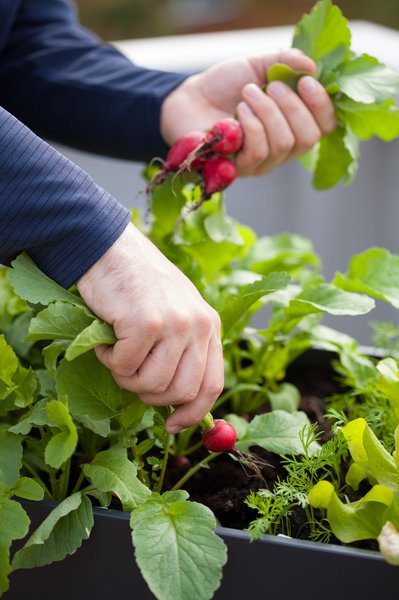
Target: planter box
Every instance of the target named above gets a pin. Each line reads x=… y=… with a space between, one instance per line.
x=275 y=567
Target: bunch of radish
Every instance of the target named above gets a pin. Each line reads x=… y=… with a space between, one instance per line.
x=210 y=154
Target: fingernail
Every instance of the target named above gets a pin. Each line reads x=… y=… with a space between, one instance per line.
x=308 y=84
x=244 y=110
x=253 y=91
x=173 y=429
x=276 y=89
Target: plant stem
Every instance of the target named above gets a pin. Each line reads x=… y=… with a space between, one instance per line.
x=194 y=470
x=37 y=478
x=54 y=484
x=192 y=448
x=64 y=479
x=78 y=483
x=159 y=485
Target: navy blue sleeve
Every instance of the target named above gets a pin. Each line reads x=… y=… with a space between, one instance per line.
x=50 y=208
x=57 y=78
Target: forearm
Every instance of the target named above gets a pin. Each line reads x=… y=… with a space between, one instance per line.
x=50 y=208
x=68 y=86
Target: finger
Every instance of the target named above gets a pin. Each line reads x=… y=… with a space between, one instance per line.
x=319 y=103
x=279 y=135
x=292 y=57
x=297 y=60
x=255 y=147
x=125 y=357
x=156 y=372
x=187 y=379
x=211 y=387
x=301 y=121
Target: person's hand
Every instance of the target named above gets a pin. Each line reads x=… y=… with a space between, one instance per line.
x=278 y=126
x=168 y=347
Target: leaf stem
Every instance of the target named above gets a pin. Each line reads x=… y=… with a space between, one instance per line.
x=78 y=483
x=37 y=478
x=160 y=481
x=194 y=470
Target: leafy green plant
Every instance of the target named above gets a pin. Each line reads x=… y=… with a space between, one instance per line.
x=361 y=88
x=69 y=433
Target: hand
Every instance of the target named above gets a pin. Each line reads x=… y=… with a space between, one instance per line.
x=168 y=347
x=278 y=125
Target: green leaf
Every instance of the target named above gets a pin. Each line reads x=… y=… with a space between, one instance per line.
x=90 y=387
x=31 y=284
x=52 y=353
x=354 y=521
x=278 y=432
x=8 y=365
x=364 y=79
x=35 y=416
x=334 y=160
x=239 y=423
x=59 y=321
x=369 y=455
x=287 y=397
x=222 y=228
x=10 y=457
x=236 y=307
x=324 y=35
x=96 y=333
x=26 y=487
x=63 y=444
x=112 y=471
x=334 y=301
x=14 y=526
x=388 y=382
x=366 y=120
x=59 y=535
x=374 y=272
x=282 y=72
x=283 y=252
x=178 y=553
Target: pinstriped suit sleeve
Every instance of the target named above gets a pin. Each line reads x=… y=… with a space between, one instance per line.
x=67 y=86
x=50 y=208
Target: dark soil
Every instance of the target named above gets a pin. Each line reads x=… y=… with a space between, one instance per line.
x=225 y=485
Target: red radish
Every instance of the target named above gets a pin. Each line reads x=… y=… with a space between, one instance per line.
x=181 y=462
x=226 y=136
x=218 y=172
x=181 y=149
x=220 y=437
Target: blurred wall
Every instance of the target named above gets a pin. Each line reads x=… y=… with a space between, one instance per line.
x=126 y=19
